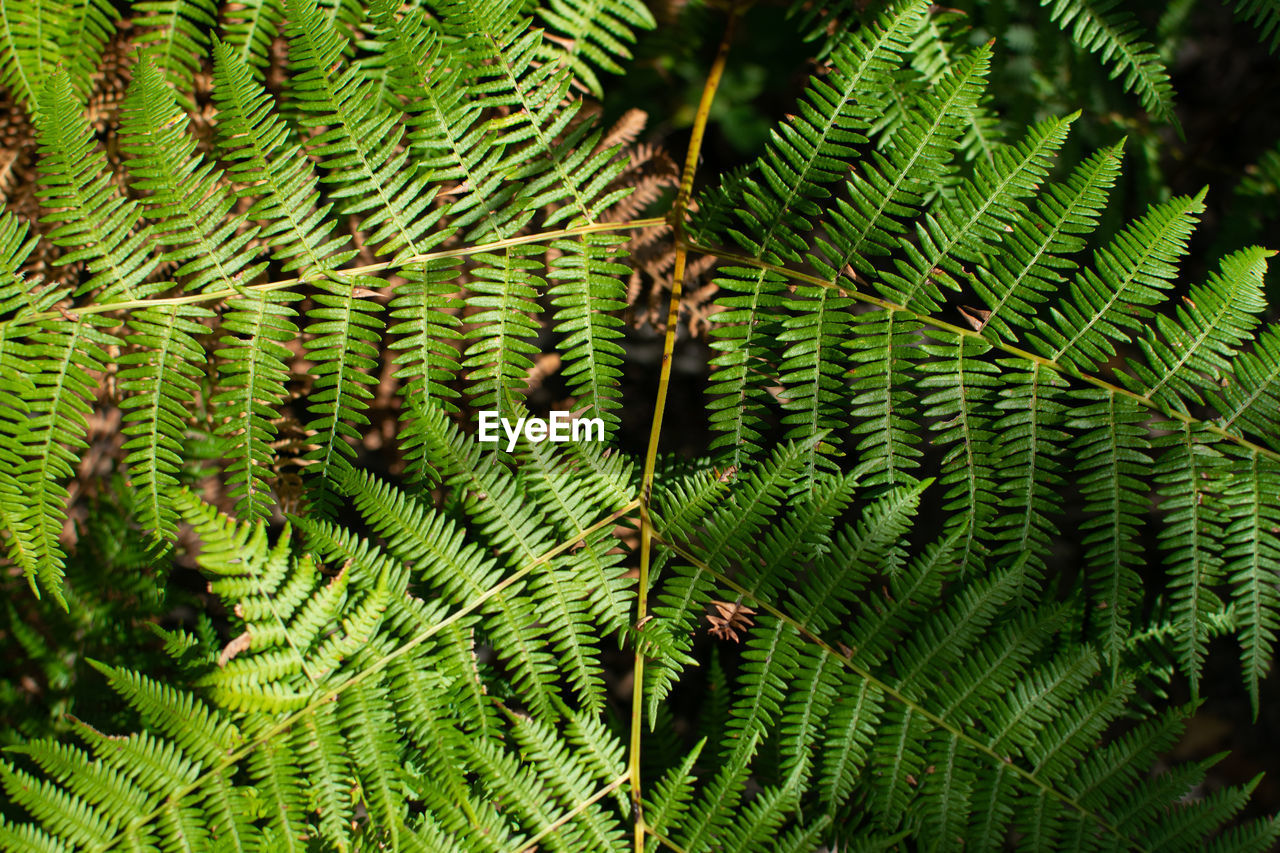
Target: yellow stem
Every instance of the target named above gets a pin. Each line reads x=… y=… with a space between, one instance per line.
x=676 y=218
x=367 y=269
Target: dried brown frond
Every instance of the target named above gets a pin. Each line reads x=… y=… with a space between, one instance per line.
x=975 y=317
x=729 y=619
x=241 y=643
x=625 y=130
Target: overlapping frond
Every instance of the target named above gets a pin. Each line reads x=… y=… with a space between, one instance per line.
x=173 y=36
x=590 y=36
x=333 y=680
x=1116 y=36
x=41 y=38
x=97 y=223
x=960 y=718
x=890 y=384
x=801 y=161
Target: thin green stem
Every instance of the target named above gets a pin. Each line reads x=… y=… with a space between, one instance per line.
x=677 y=219
x=367 y=269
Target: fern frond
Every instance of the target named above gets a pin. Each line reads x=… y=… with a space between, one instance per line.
x=716 y=808
x=1115 y=36
x=595 y=34
x=690 y=586
x=913 y=160
x=1253 y=390
x=670 y=799
x=963 y=409
x=93 y=218
x=1032 y=464
x=1188 y=471
x=46 y=37
x=1112 y=454
x=1251 y=550
x=1212 y=324
x=264 y=155
x=821 y=597
x=172 y=35
x=846 y=747
x=562 y=169
x=571 y=780
x=347 y=329
x=16 y=388
x=505 y=289
x=459 y=570
x=360 y=149
x=587 y=297
x=967 y=225
x=248 y=29
x=425 y=351
x=1265 y=16
x=1026 y=270
x=800 y=160
x=449 y=135
x=188 y=205
x=936 y=49
x=160 y=380
x=872 y=636
x=884 y=353
x=61 y=359
x=573 y=507
x=253 y=379
x=886 y=664
x=40 y=38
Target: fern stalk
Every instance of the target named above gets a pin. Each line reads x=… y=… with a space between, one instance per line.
x=676 y=218
x=364 y=270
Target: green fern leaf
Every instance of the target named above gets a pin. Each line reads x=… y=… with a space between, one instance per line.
x=1114 y=36
x=171 y=36
x=1025 y=272
x=1114 y=297
x=1213 y=322
x=248 y=30
x=94 y=219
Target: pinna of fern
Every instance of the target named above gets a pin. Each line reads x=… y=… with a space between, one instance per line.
x=364 y=673
x=843 y=693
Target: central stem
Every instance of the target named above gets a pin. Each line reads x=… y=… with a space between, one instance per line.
x=676 y=218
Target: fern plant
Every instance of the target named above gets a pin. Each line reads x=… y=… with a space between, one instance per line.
x=913 y=323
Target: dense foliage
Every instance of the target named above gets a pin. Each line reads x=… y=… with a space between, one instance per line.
x=987 y=472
